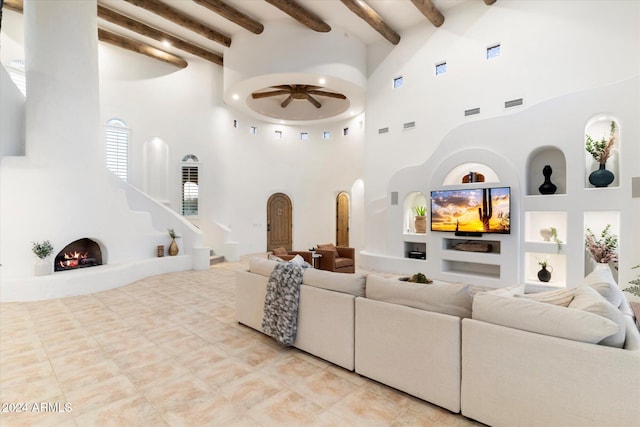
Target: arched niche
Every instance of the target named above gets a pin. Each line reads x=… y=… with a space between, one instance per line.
x=538 y=159
x=599 y=128
x=457 y=174
x=415 y=198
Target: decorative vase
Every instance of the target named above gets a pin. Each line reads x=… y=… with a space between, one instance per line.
x=173 y=248
x=547 y=186
x=544 y=275
x=43 y=267
x=421 y=224
x=546 y=233
x=601 y=177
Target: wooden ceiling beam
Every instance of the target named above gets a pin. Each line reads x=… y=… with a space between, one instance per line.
x=232 y=14
x=364 y=11
x=302 y=15
x=430 y=11
x=142 y=48
x=140 y=28
x=181 y=19
x=14 y=5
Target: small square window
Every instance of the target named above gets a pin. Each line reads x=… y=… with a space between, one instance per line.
x=345 y=131
x=278 y=134
x=326 y=134
x=397 y=82
x=304 y=136
x=441 y=68
x=253 y=130
x=235 y=123
x=493 y=51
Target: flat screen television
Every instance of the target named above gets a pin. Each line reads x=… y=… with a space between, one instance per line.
x=477 y=210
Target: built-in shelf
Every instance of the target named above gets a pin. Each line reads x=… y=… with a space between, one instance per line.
x=546 y=156
x=415 y=250
x=471 y=268
x=557 y=264
x=599 y=127
x=454 y=244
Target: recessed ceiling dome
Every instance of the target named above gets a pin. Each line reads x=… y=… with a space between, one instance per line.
x=290 y=74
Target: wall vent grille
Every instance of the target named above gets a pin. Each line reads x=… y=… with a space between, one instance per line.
x=409 y=125
x=383 y=130
x=394 y=198
x=513 y=103
x=472 y=111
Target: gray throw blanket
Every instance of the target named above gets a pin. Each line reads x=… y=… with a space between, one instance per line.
x=280 y=319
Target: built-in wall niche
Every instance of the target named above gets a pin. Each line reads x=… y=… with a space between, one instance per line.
x=457 y=174
x=556 y=264
x=412 y=200
x=597 y=221
x=599 y=129
x=415 y=250
x=538 y=174
x=538 y=224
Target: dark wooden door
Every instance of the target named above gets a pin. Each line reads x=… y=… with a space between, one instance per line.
x=342 y=219
x=279 y=222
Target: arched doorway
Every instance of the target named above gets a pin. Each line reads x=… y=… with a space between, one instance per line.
x=279 y=222
x=342 y=219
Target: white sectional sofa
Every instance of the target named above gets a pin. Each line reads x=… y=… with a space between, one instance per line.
x=500 y=357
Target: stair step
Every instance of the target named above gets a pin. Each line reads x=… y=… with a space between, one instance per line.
x=216 y=259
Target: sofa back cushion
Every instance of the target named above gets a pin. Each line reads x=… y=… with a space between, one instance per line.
x=262 y=266
x=447 y=298
x=602 y=281
x=588 y=299
x=542 y=318
x=353 y=284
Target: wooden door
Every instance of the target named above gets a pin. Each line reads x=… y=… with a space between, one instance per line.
x=342 y=219
x=279 y=222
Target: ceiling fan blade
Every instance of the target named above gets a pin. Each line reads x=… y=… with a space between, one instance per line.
x=313 y=101
x=327 y=94
x=283 y=87
x=287 y=101
x=258 y=95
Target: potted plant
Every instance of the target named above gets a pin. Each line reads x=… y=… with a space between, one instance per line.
x=635 y=289
x=421 y=219
x=173 y=246
x=603 y=248
x=42 y=250
x=554 y=236
x=601 y=151
x=544 y=275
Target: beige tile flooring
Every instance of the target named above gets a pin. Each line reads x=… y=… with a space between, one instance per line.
x=167 y=351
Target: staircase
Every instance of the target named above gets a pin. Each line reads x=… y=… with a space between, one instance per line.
x=215 y=259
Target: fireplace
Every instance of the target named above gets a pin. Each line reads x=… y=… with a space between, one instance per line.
x=79 y=254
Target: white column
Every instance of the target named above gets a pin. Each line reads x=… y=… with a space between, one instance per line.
x=62 y=105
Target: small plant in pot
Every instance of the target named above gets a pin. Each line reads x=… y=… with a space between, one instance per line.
x=635 y=289
x=601 y=150
x=42 y=250
x=173 y=246
x=421 y=219
x=603 y=248
x=544 y=275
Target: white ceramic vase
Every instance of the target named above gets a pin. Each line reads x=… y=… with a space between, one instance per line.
x=546 y=233
x=43 y=267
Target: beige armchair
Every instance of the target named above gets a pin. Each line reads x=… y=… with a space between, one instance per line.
x=286 y=255
x=338 y=259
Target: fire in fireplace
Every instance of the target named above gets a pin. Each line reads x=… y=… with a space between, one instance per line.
x=79 y=254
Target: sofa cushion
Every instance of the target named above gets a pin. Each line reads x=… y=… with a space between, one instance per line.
x=353 y=284
x=343 y=262
x=541 y=318
x=446 y=298
x=508 y=291
x=561 y=297
x=262 y=266
x=602 y=281
x=588 y=299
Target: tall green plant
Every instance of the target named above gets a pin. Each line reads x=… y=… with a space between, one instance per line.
x=420 y=210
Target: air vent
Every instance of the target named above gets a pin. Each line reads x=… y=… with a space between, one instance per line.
x=513 y=103
x=471 y=112
x=409 y=125
x=383 y=130
x=394 y=198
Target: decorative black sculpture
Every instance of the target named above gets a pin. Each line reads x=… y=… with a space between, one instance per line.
x=547 y=186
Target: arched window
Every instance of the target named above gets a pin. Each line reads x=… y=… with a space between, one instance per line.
x=117 y=147
x=190 y=185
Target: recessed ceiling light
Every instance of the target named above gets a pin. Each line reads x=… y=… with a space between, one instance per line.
x=166 y=43
x=235 y=96
x=322 y=80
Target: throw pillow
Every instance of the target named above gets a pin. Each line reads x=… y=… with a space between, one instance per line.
x=540 y=318
x=279 y=251
x=589 y=300
x=274 y=258
x=299 y=261
x=561 y=297
x=447 y=298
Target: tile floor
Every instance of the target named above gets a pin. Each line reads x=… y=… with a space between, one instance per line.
x=167 y=351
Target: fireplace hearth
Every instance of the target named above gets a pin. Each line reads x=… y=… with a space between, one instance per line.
x=81 y=253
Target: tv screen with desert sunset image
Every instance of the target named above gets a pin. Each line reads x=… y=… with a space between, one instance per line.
x=479 y=210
